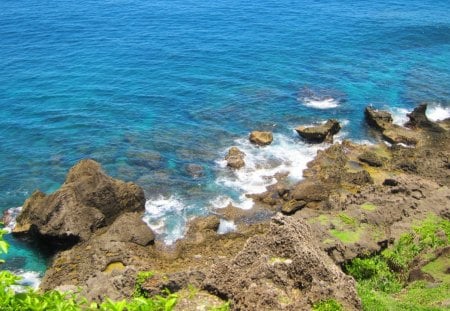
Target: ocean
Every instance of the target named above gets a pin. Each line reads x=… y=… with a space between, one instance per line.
x=149 y=88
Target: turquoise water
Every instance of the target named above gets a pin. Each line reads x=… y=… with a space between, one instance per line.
x=149 y=87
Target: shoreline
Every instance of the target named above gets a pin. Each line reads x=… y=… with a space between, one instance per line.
x=345 y=182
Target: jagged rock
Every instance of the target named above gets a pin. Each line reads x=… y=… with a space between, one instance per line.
x=87 y=201
x=235 y=158
x=358 y=178
x=320 y=133
x=310 y=191
x=400 y=135
x=370 y=158
x=418 y=119
x=378 y=118
x=130 y=227
x=194 y=170
x=261 y=138
x=281 y=270
x=292 y=206
x=390 y=182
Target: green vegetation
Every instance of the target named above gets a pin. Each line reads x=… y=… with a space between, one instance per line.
x=368 y=207
x=382 y=278
x=30 y=300
x=142 y=276
x=346 y=236
x=224 y=307
x=347 y=219
x=328 y=305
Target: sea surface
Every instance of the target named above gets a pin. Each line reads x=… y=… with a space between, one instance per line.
x=148 y=88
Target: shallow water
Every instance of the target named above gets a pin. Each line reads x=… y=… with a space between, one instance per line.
x=148 y=87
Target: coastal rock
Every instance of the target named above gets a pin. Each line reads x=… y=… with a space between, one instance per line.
x=399 y=135
x=261 y=138
x=235 y=158
x=419 y=119
x=378 y=118
x=130 y=227
x=320 y=133
x=371 y=159
x=87 y=201
x=282 y=270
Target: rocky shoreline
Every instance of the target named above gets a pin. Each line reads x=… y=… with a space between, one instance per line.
x=354 y=201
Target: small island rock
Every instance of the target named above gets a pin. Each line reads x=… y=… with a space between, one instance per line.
x=235 y=158
x=261 y=138
x=320 y=133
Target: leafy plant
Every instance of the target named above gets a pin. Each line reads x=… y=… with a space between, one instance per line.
x=328 y=305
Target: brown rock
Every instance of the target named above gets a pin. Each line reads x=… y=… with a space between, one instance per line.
x=378 y=118
x=87 y=201
x=261 y=138
x=370 y=158
x=130 y=227
x=281 y=270
x=320 y=133
x=419 y=119
x=235 y=158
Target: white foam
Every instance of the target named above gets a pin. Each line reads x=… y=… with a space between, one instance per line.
x=320 y=103
x=10 y=218
x=226 y=226
x=399 y=115
x=285 y=155
x=28 y=279
x=437 y=112
x=166 y=216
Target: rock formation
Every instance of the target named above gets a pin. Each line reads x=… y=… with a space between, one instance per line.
x=261 y=138
x=88 y=200
x=235 y=158
x=319 y=133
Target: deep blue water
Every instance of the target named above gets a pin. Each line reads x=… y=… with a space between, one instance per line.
x=149 y=87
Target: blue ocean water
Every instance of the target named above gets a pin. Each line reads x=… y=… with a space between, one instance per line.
x=149 y=87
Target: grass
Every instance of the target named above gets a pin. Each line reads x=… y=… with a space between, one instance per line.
x=328 y=305
x=368 y=207
x=346 y=236
x=381 y=279
x=347 y=219
x=437 y=269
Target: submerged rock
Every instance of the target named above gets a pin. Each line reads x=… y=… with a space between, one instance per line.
x=261 y=138
x=194 y=170
x=320 y=133
x=235 y=158
x=88 y=200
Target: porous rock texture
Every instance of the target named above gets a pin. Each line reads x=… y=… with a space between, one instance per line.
x=88 y=200
x=281 y=270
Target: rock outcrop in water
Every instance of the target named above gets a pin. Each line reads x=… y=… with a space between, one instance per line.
x=261 y=138
x=319 y=133
x=235 y=158
x=87 y=201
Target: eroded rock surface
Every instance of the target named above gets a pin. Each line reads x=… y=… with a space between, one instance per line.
x=319 y=133
x=235 y=158
x=261 y=138
x=88 y=200
x=282 y=270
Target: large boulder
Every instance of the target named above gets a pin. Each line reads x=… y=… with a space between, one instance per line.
x=261 y=138
x=235 y=158
x=130 y=227
x=281 y=270
x=378 y=118
x=88 y=200
x=320 y=133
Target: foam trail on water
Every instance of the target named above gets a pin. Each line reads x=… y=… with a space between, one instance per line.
x=166 y=216
x=320 y=103
x=285 y=155
x=9 y=218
